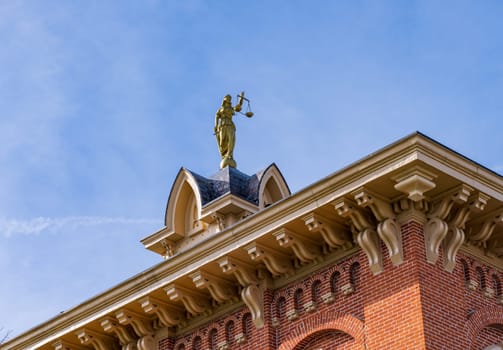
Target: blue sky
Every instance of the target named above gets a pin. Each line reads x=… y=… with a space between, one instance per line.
x=102 y=103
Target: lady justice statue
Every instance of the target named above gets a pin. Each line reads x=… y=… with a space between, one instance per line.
x=225 y=130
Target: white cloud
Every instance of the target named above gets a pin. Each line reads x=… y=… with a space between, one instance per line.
x=12 y=227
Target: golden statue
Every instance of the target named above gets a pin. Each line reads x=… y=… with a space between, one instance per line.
x=225 y=130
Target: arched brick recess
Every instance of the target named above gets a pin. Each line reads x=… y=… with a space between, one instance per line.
x=324 y=322
x=488 y=336
x=481 y=319
x=481 y=277
x=466 y=270
x=328 y=339
x=496 y=284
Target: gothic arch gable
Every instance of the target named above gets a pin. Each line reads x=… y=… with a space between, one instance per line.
x=272 y=186
x=184 y=204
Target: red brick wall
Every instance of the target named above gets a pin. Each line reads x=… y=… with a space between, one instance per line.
x=415 y=305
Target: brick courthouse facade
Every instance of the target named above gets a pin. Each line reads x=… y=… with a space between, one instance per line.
x=401 y=250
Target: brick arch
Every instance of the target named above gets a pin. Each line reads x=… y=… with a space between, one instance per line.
x=335 y=281
x=298 y=299
x=247 y=325
x=330 y=271
x=278 y=294
x=480 y=274
x=464 y=266
x=197 y=343
x=315 y=289
x=321 y=323
x=187 y=342
x=495 y=282
x=212 y=339
x=230 y=331
x=315 y=277
x=482 y=318
x=477 y=267
x=354 y=274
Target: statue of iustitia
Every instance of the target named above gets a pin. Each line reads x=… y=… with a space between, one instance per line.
x=225 y=130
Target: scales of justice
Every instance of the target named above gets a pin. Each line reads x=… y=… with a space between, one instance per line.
x=225 y=130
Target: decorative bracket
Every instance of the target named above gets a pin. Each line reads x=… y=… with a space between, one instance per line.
x=482 y=229
x=388 y=229
x=478 y=202
x=147 y=342
x=390 y=233
x=169 y=248
x=453 y=241
x=196 y=303
x=276 y=262
x=140 y=323
x=455 y=234
x=65 y=345
x=126 y=339
x=253 y=290
x=142 y=326
x=333 y=234
x=253 y=296
x=435 y=230
x=98 y=341
x=170 y=315
x=306 y=250
x=495 y=245
x=220 y=220
x=366 y=236
x=380 y=208
x=220 y=289
x=458 y=195
x=244 y=273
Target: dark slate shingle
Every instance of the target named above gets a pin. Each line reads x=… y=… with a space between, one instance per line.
x=228 y=180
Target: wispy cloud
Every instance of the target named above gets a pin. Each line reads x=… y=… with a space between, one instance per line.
x=12 y=227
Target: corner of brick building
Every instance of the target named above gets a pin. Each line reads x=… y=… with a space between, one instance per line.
x=415 y=305
x=392 y=299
